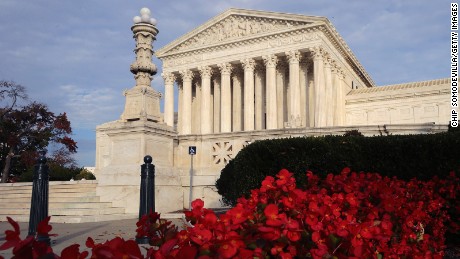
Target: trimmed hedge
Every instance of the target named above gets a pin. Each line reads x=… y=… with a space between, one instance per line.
x=404 y=156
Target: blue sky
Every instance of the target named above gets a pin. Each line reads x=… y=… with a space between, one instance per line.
x=75 y=55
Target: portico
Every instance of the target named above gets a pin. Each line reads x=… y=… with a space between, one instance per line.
x=261 y=92
x=248 y=70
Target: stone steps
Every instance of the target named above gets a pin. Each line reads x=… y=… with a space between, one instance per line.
x=58 y=205
x=76 y=219
x=52 y=195
x=69 y=202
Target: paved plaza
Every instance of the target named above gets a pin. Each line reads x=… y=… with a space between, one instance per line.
x=69 y=234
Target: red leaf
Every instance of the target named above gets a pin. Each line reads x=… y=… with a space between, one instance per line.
x=166 y=247
x=131 y=248
x=44 y=227
x=72 y=251
x=12 y=237
x=90 y=243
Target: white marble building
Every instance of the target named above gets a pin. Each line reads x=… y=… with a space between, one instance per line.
x=243 y=76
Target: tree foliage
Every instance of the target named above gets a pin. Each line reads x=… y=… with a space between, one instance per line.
x=26 y=130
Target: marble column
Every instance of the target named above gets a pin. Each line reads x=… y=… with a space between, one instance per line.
x=294 y=116
x=217 y=94
x=340 y=111
x=281 y=96
x=206 y=122
x=318 y=91
x=226 y=105
x=259 y=107
x=248 y=65
x=169 y=79
x=304 y=96
x=187 y=77
x=180 y=105
x=196 y=106
x=237 y=102
x=335 y=94
x=270 y=70
x=329 y=103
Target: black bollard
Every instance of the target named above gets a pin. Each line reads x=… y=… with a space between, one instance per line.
x=39 y=201
x=147 y=192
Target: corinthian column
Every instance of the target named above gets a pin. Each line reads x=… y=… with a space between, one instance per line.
x=340 y=101
x=294 y=115
x=237 y=100
x=206 y=126
x=226 y=105
x=216 y=83
x=318 y=90
x=187 y=77
x=249 y=65
x=304 y=96
x=270 y=64
x=259 y=98
x=281 y=95
x=329 y=103
x=169 y=98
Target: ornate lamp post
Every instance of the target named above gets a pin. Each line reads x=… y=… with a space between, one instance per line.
x=142 y=101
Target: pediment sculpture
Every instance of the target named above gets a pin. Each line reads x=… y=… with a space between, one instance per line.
x=237 y=26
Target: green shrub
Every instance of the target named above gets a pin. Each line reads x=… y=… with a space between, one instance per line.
x=85 y=174
x=56 y=173
x=404 y=156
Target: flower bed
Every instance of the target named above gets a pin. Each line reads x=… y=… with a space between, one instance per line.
x=351 y=215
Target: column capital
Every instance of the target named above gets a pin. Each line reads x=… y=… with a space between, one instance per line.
x=317 y=52
x=248 y=64
x=187 y=75
x=169 y=78
x=335 y=67
x=328 y=61
x=225 y=68
x=270 y=60
x=293 y=56
x=342 y=74
x=205 y=71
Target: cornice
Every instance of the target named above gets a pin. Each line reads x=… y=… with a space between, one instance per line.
x=315 y=24
x=242 y=12
x=431 y=88
x=428 y=83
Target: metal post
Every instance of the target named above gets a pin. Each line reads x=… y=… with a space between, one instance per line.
x=191 y=183
x=191 y=152
x=147 y=192
x=39 y=201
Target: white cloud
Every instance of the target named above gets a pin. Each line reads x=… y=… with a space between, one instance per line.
x=87 y=108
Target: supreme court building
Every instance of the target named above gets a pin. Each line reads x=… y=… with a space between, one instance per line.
x=243 y=76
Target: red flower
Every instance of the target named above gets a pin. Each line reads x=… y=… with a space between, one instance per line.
x=227 y=250
x=237 y=214
x=197 y=204
x=271 y=212
x=200 y=235
x=12 y=237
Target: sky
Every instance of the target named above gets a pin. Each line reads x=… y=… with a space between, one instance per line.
x=74 y=56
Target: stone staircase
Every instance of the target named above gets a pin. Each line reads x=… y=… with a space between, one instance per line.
x=69 y=202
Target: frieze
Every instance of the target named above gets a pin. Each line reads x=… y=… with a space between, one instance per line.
x=237 y=26
x=227 y=50
x=293 y=39
x=182 y=60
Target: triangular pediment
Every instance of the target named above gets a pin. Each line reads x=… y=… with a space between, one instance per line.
x=236 y=25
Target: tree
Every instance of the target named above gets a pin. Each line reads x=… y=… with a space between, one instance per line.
x=29 y=129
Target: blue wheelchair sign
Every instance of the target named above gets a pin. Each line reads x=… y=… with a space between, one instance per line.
x=192 y=150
